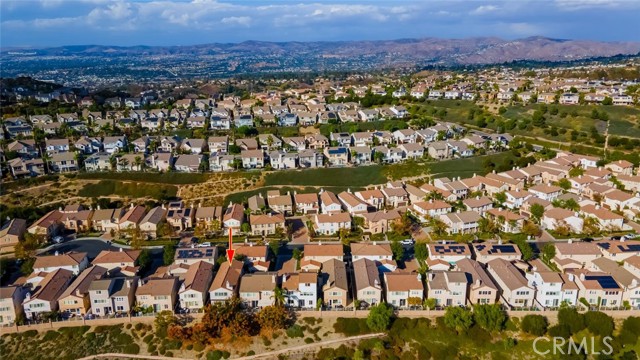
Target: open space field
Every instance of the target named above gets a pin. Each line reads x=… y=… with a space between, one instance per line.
x=128 y=189
x=163 y=178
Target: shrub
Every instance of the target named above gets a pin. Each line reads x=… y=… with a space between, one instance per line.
x=380 y=317
x=147 y=339
x=131 y=349
x=599 y=323
x=266 y=341
x=198 y=346
x=572 y=319
x=351 y=326
x=251 y=353
x=560 y=330
x=309 y=320
x=139 y=326
x=30 y=333
x=308 y=340
x=214 y=355
x=50 y=335
x=295 y=331
x=535 y=324
x=151 y=348
x=630 y=330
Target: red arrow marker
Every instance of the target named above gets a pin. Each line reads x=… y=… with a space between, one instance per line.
x=230 y=252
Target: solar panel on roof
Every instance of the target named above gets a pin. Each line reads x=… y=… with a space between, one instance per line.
x=504 y=249
x=630 y=247
x=605 y=246
x=606 y=282
x=480 y=247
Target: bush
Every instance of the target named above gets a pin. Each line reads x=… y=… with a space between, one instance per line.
x=560 y=330
x=251 y=353
x=50 y=335
x=379 y=317
x=214 y=355
x=309 y=320
x=295 y=331
x=147 y=339
x=198 y=346
x=131 y=349
x=30 y=333
x=139 y=326
x=599 y=323
x=630 y=330
x=308 y=340
x=572 y=319
x=351 y=326
x=534 y=324
x=128 y=326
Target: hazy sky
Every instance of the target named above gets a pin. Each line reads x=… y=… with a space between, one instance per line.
x=62 y=22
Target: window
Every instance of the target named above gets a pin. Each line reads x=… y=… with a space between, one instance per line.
x=119 y=298
x=219 y=294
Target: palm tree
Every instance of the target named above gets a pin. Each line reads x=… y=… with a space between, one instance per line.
x=278 y=296
x=137 y=161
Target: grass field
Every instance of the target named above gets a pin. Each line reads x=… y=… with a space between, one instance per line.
x=132 y=190
x=380 y=174
x=162 y=178
x=359 y=176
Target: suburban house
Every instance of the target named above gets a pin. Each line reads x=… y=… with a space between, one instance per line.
x=367 y=282
x=482 y=289
x=193 y=293
x=233 y=218
x=124 y=261
x=306 y=203
x=486 y=252
x=553 y=289
x=335 y=289
x=575 y=255
x=329 y=202
x=465 y=222
x=516 y=291
x=268 y=224
x=300 y=289
x=448 y=288
x=352 y=204
x=11 y=233
x=225 y=284
x=323 y=252
x=157 y=294
x=75 y=262
x=373 y=251
x=450 y=253
x=10 y=304
x=558 y=217
x=75 y=299
x=256 y=290
x=149 y=224
x=329 y=224
x=380 y=222
x=403 y=290
x=598 y=289
x=44 y=297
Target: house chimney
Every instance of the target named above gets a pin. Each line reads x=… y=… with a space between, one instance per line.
x=121 y=250
x=478 y=282
x=431 y=276
x=57 y=253
x=499 y=241
x=570 y=241
x=140 y=282
x=582 y=277
x=273 y=278
x=128 y=282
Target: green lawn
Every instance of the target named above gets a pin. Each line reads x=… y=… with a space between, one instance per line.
x=359 y=176
x=154 y=177
x=129 y=189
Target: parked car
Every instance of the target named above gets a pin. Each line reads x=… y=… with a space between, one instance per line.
x=630 y=236
x=407 y=242
x=58 y=239
x=587 y=239
x=205 y=244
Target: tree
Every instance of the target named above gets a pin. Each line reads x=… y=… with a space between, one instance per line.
x=414 y=301
x=421 y=252
x=430 y=303
x=163 y=321
x=607 y=101
x=501 y=197
x=398 y=250
x=438 y=226
x=403 y=227
x=490 y=317
x=379 y=318
x=26 y=248
x=531 y=229
x=548 y=252
x=245 y=227
x=571 y=318
x=599 y=323
x=459 y=319
x=576 y=171
x=144 y=259
x=537 y=211
x=274 y=245
x=273 y=317
x=534 y=324
x=297 y=254
x=591 y=226
x=525 y=249
x=278 y=296
x=168 y=253
x=564 y=184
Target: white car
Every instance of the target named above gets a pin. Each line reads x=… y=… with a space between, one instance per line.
x=407 y=242
x=58 y=239
x=204 y=244
x=630 y=236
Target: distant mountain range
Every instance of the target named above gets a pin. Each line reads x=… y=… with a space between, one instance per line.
x=485 y=50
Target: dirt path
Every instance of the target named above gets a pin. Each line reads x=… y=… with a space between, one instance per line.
x=274 y=354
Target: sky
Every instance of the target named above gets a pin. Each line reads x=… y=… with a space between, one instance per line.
x=48 y=23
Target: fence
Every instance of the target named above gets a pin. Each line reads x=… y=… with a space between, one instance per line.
x=191 y=317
